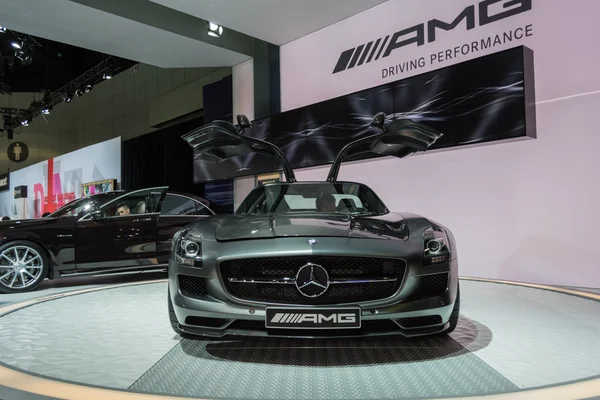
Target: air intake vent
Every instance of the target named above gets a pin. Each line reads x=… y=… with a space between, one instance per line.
x=416 y=322
x=431 y=285
x=192 y=285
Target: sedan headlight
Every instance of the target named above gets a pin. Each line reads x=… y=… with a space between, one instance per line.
x=436 y=246
x=187 y=247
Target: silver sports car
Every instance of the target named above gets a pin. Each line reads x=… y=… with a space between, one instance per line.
x=311 y=259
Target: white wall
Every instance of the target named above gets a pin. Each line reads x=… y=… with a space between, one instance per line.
x=523 y=211
x=128 y=105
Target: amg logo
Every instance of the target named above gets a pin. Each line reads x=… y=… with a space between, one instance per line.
x=316 y=318
x=383 y=47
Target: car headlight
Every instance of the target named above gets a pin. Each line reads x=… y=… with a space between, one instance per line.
x=187 y=247
x=436 y=246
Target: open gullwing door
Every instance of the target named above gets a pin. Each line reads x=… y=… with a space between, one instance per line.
x=399 y=138
x=221 y=140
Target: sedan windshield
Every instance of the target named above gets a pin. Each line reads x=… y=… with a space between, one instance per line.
x=312 y=197
x=79 y=206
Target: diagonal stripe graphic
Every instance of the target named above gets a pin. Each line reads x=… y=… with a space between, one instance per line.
x=364 y=54
x=354 y=60
x=382 y=47
x=374 y=50
x=343 y=61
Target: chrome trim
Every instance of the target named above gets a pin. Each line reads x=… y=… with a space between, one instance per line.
x=281 y=281
x=120 y=270
x=290 y=281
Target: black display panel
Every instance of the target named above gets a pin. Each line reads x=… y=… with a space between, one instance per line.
x=220 y=192
x=486 y=99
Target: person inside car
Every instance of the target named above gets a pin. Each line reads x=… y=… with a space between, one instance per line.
x=123 y=210
x=326 y=203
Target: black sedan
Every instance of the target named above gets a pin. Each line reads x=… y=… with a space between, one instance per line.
x=103 y=233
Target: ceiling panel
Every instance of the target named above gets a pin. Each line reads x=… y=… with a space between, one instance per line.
x=274 y=21
x=79 y=25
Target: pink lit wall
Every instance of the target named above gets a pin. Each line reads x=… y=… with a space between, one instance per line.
x=523 y=211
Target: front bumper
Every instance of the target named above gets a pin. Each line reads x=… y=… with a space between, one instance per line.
x=218 y=314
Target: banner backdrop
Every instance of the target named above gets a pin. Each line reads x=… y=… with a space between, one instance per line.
x=54 y=182
x=518 y=210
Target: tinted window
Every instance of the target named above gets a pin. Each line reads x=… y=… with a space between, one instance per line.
x=179 y=205
x=138 y=202
x=83 y=205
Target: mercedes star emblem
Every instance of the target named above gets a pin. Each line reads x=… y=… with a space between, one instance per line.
x=312 y=280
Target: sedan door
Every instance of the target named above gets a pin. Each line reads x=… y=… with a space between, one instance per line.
x=121 y=233
x=177 y=211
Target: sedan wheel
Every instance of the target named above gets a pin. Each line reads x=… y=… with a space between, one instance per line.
x=23 y=267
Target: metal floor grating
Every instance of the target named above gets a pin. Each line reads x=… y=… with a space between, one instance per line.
x=370 y=368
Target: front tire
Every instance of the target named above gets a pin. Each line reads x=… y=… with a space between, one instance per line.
x=23 y=266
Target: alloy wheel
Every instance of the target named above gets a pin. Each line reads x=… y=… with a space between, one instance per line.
x=20 y=267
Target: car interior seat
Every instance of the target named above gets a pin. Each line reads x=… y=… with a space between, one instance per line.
x=346 y=205
x=140 y=208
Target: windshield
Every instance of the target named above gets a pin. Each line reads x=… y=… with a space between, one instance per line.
x=320 y=197
x=78 y=206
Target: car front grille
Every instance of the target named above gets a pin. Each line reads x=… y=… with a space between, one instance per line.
x=192 y=285
x=373 y=279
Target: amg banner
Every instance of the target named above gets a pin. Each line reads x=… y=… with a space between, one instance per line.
x=473 y=16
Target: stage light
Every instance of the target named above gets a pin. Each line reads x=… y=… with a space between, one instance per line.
x=88 y=88
x=79 y=93
x=107 y=75
x=17 y=45
x=45 y=111
x=214 y=30
x=68 y=98
x=25 y=122
x=2 y=29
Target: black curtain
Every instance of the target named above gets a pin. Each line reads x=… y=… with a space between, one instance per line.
x=161 y=158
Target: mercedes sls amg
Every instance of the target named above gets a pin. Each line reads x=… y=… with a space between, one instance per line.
x=310 y=259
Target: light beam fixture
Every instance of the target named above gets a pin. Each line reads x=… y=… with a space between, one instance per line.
x=215 y=30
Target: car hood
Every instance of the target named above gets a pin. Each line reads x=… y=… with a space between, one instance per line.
x=243 y=227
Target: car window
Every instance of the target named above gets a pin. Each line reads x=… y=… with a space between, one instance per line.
x=138 y=202
x=178 y=205
x=73 y=208
x=201 y=209
x=312 y=197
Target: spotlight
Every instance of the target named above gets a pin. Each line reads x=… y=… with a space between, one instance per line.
x=79 y=93
x=25 y=122
x=17 y=45
x=45 y=111
x=2 y=29
x=107 y=75
x=214 y=30
x=68 y=99
x=88 y=88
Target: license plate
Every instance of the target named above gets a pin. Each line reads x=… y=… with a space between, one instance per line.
x=327 y=318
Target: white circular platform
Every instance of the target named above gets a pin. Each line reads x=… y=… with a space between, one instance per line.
x=510 y=339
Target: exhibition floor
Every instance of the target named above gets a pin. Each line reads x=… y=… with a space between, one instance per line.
x=107 y=342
